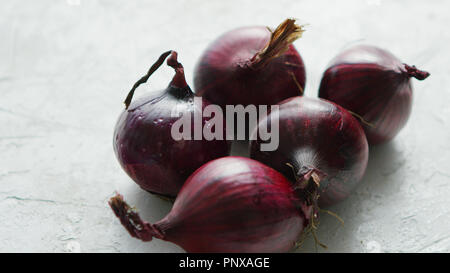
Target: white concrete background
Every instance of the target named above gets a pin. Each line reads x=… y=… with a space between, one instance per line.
x=66 y=66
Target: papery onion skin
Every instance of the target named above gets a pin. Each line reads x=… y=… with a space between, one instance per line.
x=231 y=204
x=144 y=146
x=230 y=73
x=375 y=85
x=320 y=135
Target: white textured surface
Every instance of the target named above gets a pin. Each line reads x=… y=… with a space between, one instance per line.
x=65 y=68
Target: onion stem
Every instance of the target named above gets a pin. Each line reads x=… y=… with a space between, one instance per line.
x=412 y=71
x=284 y=35
x=132 y=222
x=144 y=79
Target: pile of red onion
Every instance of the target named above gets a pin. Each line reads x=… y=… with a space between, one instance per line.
x=270 y=202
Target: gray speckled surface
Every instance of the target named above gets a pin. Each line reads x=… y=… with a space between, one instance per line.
x=65 y=68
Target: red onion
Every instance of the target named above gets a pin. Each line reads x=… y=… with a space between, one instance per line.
x=143 y=142
x=231 y=204
x=318 y=137
x=252 y=65
x=375 y=85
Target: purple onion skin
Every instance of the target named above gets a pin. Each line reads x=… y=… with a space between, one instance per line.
x=318 y=135
x=226 y=74
x=231 y=204
x=375 y=85
x=144 y=146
